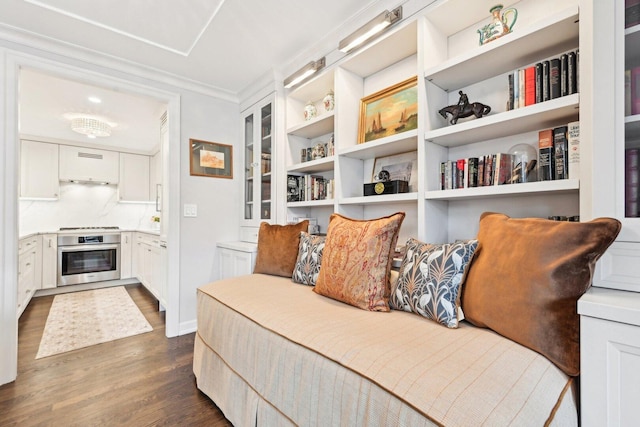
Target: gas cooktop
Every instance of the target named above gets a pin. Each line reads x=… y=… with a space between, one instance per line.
x=89 y=228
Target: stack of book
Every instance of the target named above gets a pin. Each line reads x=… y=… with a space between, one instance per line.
x=559 y=152
x=544 y=81
x=302 y=188
x=631 y=183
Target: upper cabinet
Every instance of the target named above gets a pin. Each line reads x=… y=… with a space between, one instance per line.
x=134 y=178
x=87 y=164
x=39 y=170
x=258 y=160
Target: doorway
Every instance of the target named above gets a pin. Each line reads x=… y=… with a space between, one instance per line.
x=10 y=219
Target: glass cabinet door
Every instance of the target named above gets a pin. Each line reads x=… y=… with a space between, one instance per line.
x=258 y=177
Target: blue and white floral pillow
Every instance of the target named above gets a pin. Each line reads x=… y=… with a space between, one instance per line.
x=430 y=279
x=309 y=259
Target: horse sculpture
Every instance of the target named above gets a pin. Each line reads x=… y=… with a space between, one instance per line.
x=477 y=109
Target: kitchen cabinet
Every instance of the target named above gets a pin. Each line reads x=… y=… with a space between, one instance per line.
x=236 y=258
x=88 y=165
x=29 y=271
x=49 y=261
x=39 y=170
x=155 y=178
x=150 y=264
x=134 y=178
x=126 y=245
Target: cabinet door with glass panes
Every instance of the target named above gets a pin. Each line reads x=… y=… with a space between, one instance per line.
x=258 y=149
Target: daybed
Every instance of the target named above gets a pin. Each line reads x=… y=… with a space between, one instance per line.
x=270 y=351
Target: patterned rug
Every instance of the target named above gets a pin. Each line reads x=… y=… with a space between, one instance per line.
x=83 y=319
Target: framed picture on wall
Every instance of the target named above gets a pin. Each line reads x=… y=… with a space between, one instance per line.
x=210 y=159
x=389 y=112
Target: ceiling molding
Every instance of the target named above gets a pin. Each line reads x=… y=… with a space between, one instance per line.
x=17 y=39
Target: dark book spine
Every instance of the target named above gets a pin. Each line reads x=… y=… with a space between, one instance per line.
x=631 y=182
x=488 y=169
x=545 y=81
x=564 y=75
x=510 y=100
x=443 y=168
x=472 y=167
x=554 y=78
x=481 y=171
x=530 y=85
x=560 y=147
x=538 y=82
x=572 y=82
x=545 y=155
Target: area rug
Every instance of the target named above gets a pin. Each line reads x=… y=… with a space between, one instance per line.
x=82 y=319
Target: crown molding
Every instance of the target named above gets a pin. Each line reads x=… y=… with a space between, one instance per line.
x=17 y=39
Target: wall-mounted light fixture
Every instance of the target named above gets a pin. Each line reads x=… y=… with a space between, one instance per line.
x=304 y=73
x=370 y=29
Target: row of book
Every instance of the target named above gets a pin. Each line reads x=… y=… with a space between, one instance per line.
x=302 y=188
x=632 y=182
x=559 y=152
x=265 y=163
x=632 y=91
x=544 y=81
x=631 y=13
x=557 y=157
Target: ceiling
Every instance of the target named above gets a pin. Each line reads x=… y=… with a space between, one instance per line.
x=222 y=45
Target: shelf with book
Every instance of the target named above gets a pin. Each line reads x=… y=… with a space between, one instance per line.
x=555 y=187
x=525 y=119
x=311 y=203
x=394 y=144
x=379 y=199
x=315 y=127
x=324 y=164
x=523 y=46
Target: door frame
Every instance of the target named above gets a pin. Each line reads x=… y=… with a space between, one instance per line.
x=9 y=215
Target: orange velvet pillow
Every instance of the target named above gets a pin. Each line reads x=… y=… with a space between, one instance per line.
x=278 y=248
x=356 y=260
x=526 y=277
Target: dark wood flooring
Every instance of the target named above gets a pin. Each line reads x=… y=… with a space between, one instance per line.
x=144 y=380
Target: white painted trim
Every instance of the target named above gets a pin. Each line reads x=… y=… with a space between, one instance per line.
x=13 y=38
x=15 y=60
x=188 y=327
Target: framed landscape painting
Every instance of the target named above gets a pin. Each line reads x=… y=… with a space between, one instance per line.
x=389 y=112
x=210 y=159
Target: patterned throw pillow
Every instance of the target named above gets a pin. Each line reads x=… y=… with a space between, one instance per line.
x=309 y=259
x=430 y=279
x=357 y=260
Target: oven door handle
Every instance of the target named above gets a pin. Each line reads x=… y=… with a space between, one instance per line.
x=86 y=248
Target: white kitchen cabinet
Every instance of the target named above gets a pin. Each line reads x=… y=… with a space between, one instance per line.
x=49 y=261
x=236 y=258
x=150 y=264
x=126 y=245
x=88 y=165
x=155 y=178
x=39 y=170
x=134 y=178
x=610 y=357
x=29 y=271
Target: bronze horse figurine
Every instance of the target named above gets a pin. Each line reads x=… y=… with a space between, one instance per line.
x=477 y=109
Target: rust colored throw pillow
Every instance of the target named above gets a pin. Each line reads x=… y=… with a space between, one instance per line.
x=278 y=248
x=356 y=261
x=526 y=277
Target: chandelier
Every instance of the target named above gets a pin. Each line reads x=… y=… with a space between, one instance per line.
x=91 y=127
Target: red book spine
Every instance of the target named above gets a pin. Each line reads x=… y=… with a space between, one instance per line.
x=530 y=86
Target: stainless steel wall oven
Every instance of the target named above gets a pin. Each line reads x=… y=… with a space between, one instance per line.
x=88 y=257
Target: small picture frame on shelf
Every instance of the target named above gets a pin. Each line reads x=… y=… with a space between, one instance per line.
x=401 y=167
x=210 y=159
x=389 y=112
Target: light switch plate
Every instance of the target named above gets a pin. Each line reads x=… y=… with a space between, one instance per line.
x=190 y=211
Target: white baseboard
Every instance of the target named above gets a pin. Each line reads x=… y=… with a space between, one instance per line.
x=188 y=327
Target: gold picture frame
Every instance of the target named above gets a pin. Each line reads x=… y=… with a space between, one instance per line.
x=389 y=112
x=210 y=159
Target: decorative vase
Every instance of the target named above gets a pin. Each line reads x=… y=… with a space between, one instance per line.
x=329 y=101
x=502 y=21
x=310 y=111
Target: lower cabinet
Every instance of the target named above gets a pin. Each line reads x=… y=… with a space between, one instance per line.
x=49 y=261
x=29 y=271
x=236 y=258
x=610 y=357
x=126 y=246
x=149 y=264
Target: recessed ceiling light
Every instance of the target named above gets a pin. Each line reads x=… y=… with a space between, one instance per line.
x=95 y=99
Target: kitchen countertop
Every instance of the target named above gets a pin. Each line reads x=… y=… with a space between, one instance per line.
x=87 y=231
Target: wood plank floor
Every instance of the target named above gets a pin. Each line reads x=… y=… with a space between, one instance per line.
x=144 y=380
